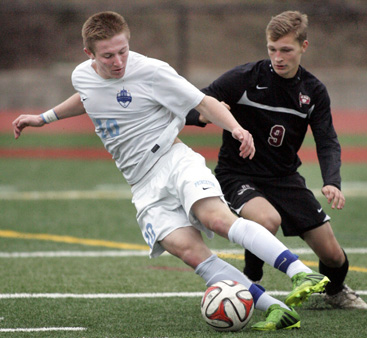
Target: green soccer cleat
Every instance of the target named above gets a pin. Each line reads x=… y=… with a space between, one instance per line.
x=278 y=318
x=304 y=285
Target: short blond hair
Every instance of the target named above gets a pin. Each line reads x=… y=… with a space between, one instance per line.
x=103 y=26
x=288 y=22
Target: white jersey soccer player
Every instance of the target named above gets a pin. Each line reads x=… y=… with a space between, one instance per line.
x=143 y=119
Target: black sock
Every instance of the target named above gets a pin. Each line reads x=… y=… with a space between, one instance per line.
x=336 y=276
x=253 y=266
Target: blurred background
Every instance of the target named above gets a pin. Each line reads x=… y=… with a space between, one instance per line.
x=40 y=42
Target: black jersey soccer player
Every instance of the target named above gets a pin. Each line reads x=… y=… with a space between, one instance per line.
x=276 y=100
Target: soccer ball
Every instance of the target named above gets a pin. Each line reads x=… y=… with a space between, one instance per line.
x=227 y=306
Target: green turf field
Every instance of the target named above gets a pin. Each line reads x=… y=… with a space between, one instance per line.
x=71 y=252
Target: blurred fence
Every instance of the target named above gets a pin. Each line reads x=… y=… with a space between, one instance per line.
x=41 y=42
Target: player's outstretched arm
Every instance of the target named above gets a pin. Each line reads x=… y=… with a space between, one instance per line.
x=203 y=119
x=68 y=108
x=194 y=118
x=218 y=114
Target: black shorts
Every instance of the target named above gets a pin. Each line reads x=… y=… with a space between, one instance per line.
x=297 y=205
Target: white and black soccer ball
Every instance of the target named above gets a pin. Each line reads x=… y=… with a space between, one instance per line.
x=227 y=306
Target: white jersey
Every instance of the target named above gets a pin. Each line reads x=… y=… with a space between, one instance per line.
x=138 y=116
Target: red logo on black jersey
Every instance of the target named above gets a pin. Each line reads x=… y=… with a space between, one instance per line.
x=303 y=99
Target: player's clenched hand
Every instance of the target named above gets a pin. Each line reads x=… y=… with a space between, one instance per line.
x=23 y=121
x=334 y=195
x=247 y=148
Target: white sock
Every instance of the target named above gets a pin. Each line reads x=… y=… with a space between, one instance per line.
x=266 y=246
x=257 y=239
x=265 y=301
x=214 y=269
x=297 y=267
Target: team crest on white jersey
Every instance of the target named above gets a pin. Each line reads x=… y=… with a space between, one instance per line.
x=124 y=98
x=303 y=99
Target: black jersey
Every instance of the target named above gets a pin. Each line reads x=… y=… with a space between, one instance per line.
x=277 y=112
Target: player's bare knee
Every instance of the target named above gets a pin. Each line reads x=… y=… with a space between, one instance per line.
x=219 y=221
x=219 y=226
x=270 y=221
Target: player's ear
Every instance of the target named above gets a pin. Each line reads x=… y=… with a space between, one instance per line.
x=304 y=46
x=89 y=53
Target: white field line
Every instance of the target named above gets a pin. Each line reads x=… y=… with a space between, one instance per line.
x=65 y=195
x=100 y=295
x=137 y=253
x=44 y=329
x=350 y=189
x=126 y=295
x=299 y=251
x=58 y=254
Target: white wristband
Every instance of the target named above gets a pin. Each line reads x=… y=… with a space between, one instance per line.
x=49 y=116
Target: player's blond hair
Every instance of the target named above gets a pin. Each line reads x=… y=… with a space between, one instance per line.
x=285 y=23
x=103 y=26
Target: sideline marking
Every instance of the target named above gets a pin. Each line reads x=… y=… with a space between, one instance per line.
x=72 y=240
x=123 y=192
x=230 y=254
x=235 y=254
x=60 y=254
x=44 y=329
x=119 y=245
x=125 y=295
x=65 y=195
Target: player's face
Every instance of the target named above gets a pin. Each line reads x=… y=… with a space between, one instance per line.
x=285 y=55
x=110 y=56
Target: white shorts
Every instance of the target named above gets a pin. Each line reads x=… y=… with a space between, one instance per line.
x=164 y=197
